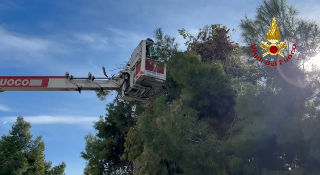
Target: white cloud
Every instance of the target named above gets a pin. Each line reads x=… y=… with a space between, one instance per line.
x=117 y=31
x=47 y=120
x=4 y=108
x=126 y=38
x=14 y=42
x=129 y=39
x=20 y=50
x=94 y=40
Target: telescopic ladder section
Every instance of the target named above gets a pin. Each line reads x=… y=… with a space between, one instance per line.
x=58 y=83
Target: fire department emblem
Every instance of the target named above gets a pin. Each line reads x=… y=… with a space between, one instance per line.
x=273 y=36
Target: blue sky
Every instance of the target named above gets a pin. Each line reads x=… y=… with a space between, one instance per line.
x=42 y=37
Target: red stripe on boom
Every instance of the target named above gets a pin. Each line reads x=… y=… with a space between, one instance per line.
x=26 y=81
x=30 y=77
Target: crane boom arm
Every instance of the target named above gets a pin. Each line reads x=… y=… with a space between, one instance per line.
x=141 y=79
x=57 y=83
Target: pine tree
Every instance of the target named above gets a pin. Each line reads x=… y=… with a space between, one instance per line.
x=20 y=155
x=274 y=112
x=179 y=133
x=104 y=150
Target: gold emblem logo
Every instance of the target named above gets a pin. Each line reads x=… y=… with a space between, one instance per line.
x=273 y=36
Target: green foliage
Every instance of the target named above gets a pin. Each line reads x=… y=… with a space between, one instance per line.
x=273 y=116
x=57 y=170
x=206 y=83
x=102 y=95
x=292 y=29
x=213 y=44
x=172 y=134
x=170 y=130
x=164 y=47
x=20 y=155
x=221 y=115
x=103 y=151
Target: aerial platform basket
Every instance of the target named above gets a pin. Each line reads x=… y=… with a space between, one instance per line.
x=147 y=77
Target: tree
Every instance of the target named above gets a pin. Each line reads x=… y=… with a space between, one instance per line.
x=20 y=155
x=214 y=120
x=182 y=132
x=56 y=170
x=292 y=30
x=273 y=115
x=104 y=150
x=214 y=44
x=175 y=138
x=215 y=47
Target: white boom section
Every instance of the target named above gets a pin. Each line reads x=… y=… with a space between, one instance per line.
x=57 y=83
